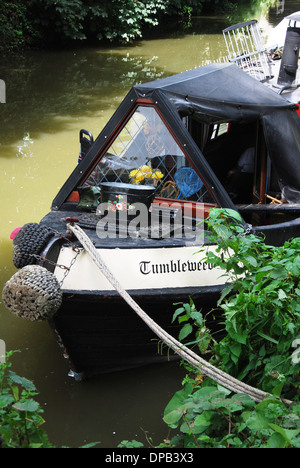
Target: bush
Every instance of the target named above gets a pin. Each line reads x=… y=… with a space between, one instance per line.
x=261 y=315
x=261 y=306
x=20 y=415
x=16 y=29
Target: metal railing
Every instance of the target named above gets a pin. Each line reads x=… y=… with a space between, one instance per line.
x=246 y=48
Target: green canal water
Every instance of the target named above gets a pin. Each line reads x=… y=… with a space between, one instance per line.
x=50 y=96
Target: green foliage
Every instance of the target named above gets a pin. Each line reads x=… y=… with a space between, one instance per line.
x=114 y=20
x=20 y=414
x=193 y=324
x=55 y=22
x=130 y=444
x=261 y=305
x=209 y=417
x=261 y=312
x=16 y=28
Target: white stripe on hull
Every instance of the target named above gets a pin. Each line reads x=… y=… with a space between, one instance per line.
x=138 y=269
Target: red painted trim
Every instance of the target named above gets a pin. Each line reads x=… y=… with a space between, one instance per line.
x=190 y=208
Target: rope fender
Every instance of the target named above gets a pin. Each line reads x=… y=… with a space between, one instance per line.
x=29 y=241
x=32 y=293
x=188 y=355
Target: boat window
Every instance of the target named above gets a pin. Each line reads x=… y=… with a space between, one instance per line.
x=146 y=153
x=219 y=129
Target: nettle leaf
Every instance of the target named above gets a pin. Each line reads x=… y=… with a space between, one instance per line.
x=27 y=384
x=238 y=336
x=278 y=273
x=177 y=312
x=6 y=400
x=185 y=331
x=236 y=403
x=235 y=349
x=198 y=317
x=266 y=337
x=28 y=405
x=183 y=318
x=225 y=293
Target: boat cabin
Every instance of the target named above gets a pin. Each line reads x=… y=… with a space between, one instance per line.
x=212 y=136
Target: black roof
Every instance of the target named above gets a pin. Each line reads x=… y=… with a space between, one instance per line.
x=223 y=92
x=216 y=92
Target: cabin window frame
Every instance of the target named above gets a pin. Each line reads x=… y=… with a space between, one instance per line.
x=111 y=140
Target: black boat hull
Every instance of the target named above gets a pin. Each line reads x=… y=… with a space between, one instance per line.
x=101 y=334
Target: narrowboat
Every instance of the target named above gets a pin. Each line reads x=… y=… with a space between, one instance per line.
x=175 y=148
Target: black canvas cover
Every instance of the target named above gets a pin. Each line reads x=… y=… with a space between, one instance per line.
x=224 y=93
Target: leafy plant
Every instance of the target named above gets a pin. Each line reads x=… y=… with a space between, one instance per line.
x=261 y=305
x=209 y=417
x=130 y=444
x=20 y=414
x=193 y=324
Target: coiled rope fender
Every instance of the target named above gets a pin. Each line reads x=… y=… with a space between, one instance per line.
x=188 y=355
x=32 y=293
x=29 y=241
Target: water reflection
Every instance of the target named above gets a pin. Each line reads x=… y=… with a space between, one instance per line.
x=50 y=96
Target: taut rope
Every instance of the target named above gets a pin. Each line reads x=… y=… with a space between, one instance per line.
x=199 y=363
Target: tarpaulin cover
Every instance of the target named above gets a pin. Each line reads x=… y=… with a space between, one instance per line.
x=223 y=93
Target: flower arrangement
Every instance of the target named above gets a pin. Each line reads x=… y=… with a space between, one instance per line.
x=145 y=173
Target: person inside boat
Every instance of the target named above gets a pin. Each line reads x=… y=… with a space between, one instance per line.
x=240 y=178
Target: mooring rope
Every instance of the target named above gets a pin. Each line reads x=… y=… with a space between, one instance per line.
x=187 y=354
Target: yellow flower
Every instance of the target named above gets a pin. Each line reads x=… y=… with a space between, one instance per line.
x=139 y=176
x=157 y=175
x=145 y=172
x=145 y=168
x=133 y=173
